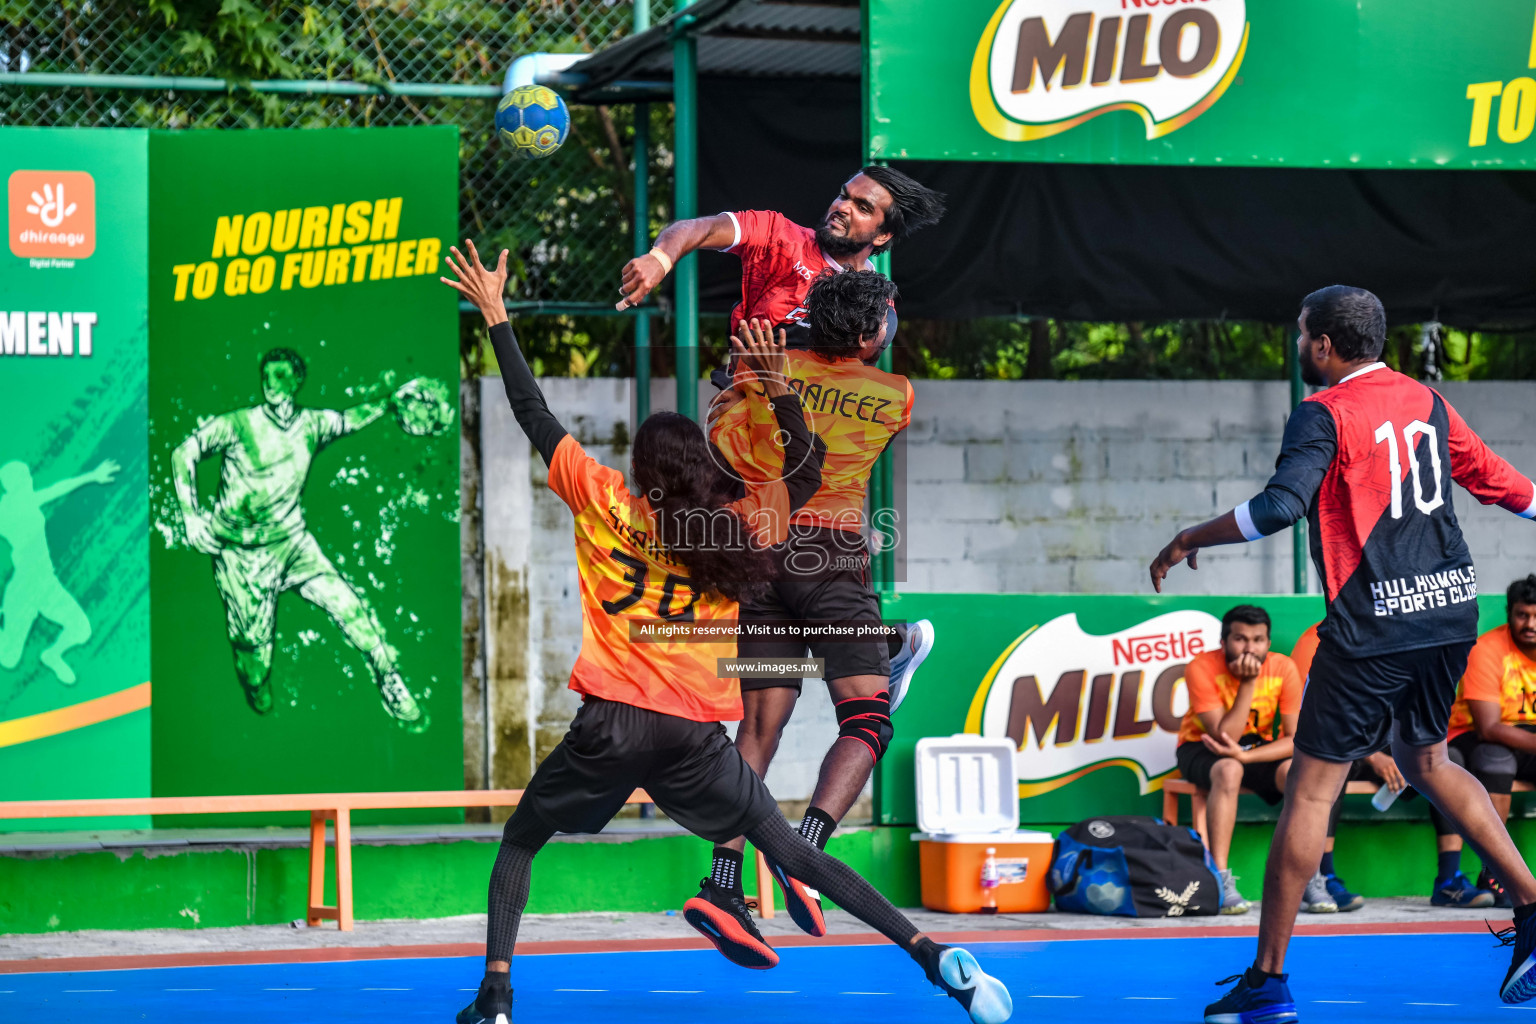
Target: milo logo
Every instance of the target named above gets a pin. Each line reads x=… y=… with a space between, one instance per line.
x=1074 y=702
x=1046 y=66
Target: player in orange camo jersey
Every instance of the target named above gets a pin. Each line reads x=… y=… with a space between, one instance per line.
x=823 y=569
x=675 y=558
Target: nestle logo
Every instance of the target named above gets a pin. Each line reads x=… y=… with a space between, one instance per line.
x=1138 y=650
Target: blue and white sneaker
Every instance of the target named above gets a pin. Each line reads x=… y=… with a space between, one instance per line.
x=984 y=997
x=1269 y=1003
x=1342 y=897
x=918 y=645
x=1458 y=891
x=1520 y=982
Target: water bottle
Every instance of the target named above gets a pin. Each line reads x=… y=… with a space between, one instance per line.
x=1385 y=797
x=989 y=882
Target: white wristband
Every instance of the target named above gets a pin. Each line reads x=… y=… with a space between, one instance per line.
x=663 y=259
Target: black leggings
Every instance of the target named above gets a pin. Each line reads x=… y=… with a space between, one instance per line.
x=526 y=833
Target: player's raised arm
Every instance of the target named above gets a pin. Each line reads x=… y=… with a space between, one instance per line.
x=1486 y=475
x=761 y=354
x=1310 y=442
x=642 y=274
x=484 y=288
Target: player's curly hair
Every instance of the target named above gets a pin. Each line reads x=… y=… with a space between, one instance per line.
x=1353 y=319
x=673 y=469
x=284 y=355
x=913 y=205
x=842 y=310
x=1521 y=592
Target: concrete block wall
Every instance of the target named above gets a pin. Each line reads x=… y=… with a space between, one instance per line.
x=1036 y=486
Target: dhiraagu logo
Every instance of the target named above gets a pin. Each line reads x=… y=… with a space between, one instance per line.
x=1046 y=66
x=1074 y=702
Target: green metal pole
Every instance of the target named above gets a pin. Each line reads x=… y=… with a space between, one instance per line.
x=1299 y=531
x=642 y=156
x=685 y=168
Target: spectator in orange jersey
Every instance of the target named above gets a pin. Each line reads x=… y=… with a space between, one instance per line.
x=1498 y=706
x=1451 y=888
x=1228 y=742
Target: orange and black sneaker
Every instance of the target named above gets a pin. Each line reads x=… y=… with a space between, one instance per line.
x=802 y=902
x=725 y=918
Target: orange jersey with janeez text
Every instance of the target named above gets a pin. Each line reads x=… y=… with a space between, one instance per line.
x=1497 y=672
x=855 y=409
x=626 y=575
x=1276 y=691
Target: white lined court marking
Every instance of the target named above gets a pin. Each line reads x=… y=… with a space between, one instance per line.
x=186 y=990
x=1431 y=1004
x=1055 y=997
x=557 y=990
x=383 y=990
x=1170 y=998
x=1341 y=1002
x=83 y=991
x=772 y=991
x=287 y=989
x=677 y=991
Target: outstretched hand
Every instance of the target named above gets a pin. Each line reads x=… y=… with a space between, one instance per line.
x=480 y=286
x=1170 y=556
x=759 y=350
x=104 y=473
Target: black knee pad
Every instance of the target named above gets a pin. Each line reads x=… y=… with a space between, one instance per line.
x=1494 y=765
x=868 y=720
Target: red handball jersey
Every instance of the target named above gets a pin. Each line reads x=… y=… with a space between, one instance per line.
x=779 y=260
x=1370 y=462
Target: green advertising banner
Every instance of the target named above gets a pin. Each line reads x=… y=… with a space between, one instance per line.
x=74 y=473
x=1089 y=688
x=304 y=462
x=1312 y=83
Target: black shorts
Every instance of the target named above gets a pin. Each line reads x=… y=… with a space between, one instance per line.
x=1351 y=703
x=822 y=576
x=691 y=769
x=1195 y=761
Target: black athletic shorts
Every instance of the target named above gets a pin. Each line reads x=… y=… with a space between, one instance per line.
x=1195 y=761
x=1351 y=703
x=822 y=575
x=691 y=769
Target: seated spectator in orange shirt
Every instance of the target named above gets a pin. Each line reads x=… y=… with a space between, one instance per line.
x=1227 y=741
x=1451 y=888
x=1498 y=705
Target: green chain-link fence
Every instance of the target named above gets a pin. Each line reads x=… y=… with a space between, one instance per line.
x=566 y=218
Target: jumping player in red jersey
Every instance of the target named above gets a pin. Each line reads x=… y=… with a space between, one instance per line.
x=1370 y=462
x=651 y=712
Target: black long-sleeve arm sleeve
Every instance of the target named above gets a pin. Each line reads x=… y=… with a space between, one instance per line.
x=1308 y=449
x=524 y=396
x=803 y=454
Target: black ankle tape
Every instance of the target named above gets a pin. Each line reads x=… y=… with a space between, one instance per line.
x=1256 y=977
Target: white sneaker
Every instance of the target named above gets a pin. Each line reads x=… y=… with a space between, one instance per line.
x=1232 y=901
x=1317 y=899
x=904 y=666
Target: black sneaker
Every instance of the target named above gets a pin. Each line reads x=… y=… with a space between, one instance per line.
x=1520 y=983
x=492 y=1005
x=725 y=918
x=1500 y=896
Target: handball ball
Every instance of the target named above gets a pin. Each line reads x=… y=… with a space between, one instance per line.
x=424 y=406
x=533 y=119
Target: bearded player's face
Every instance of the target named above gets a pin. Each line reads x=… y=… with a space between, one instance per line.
x=856 y=218
x=1311 y=373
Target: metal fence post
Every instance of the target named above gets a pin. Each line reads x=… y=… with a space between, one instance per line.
x=642 y=154
x=685 y=278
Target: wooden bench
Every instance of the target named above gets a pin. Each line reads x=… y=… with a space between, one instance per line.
x=1173 y=788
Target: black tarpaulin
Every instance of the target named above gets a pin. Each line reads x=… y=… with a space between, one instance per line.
x=1107 y=242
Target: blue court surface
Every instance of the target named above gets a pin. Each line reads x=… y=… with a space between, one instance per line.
x=1350 y=978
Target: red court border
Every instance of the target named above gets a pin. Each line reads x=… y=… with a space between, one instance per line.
x=331 y=954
